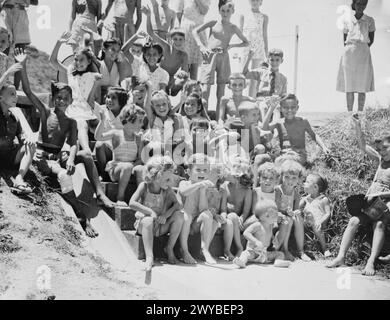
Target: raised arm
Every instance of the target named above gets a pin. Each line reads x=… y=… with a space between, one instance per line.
x=202 y=6
x=10 y=71
x=54 y=55
x=196 y=33
x=362 y=140
x=149 y=28
x=148 y=104
x=126 y=47
x=101 y=134
x=139 y=15
x=266 y=125
x=316 y=138
x=108 y=8
x=265 y=34
x=73 y=14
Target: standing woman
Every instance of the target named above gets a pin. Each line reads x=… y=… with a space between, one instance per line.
x=356 y=73
x=85 y=14
x=190 y=14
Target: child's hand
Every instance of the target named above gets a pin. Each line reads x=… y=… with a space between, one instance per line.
x=70 y=167
x=146 y=11
x=206 y=53
x=98 y=76
x=219 y=219
x=30 y=141
x=14 y=68
x=161 y=219
x=20 y=55
x=317 y=226
x=207 y=184
x=142 y=34
x=65 y=37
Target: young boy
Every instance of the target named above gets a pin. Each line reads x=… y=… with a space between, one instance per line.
x=198 y=216
x=215 y=53
x=14 y=125
x=132 y=50
x=292 y=129
x=164 y=18
x=123 y=21
x=229 y=104
x=56 y=128
x=259 y=236
x=175 y=58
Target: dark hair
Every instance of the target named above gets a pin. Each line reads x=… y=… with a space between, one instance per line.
x=289 y=96
x=150 y=45
x=178 y=31
x=236 y=76
x=202 y=112
x=56 y=87
x=137 y=81
x=200 y=123
x=221 y=3
x=130 y=113
x=189 y=86
x=107 y=44
x=121 y=94
x=321 y=182
x=354 y=2
x=89 y=54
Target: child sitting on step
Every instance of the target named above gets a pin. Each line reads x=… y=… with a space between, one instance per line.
x=158 y=210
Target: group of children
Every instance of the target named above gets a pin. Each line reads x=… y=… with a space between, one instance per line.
x=197 y=171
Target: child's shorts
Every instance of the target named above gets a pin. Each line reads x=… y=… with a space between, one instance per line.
x=258 y=256
x=217 y=63
x=17 y=21
x=7 y=159
x=137 y=224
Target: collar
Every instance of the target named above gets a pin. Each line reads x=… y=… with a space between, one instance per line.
x=78 y=73
x=363 y=18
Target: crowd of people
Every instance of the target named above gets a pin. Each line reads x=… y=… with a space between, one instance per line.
x=197 y=170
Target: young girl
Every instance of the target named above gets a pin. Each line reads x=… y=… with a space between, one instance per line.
x=356 y=73
x=191 y=86
x=287 y=199
x=127 y=147
x=316 y=208
x=5 y=60
x=255 y=28
x=379 y=191
x=193 y=109
x=200 y=130
x=158 y=210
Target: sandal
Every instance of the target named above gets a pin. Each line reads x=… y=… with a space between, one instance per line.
x=22 y=188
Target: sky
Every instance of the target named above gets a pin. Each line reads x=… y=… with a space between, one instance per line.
x=319 y=51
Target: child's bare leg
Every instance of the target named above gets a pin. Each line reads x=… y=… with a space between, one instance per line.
x=24 y=158
x=82 y=128
x=194 y=71
x=228 y=239
x=377 y=244
x=272 y=256
x=350 y=100
x=283 y=236
x=123 y=172
x=93 y=176
x=103 y=155
x=174 y=226
x=138 y=171
x=220 y=94
x=252 y=90
x=185 y=232
x=361 y=101
x=146 y=225
x=299 y=233
x=242 y=260
x=321 y=238
x=206 y=92
x=207 y=230
x=236 y=233
x=346 y=242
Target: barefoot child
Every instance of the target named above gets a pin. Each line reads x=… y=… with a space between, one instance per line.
x=379 y=192
x=127 y=147
x=215 y=52
x=175 y=58
x=292 y=129
x=158 y=211
x=197 y=215
x=56 y=129
x=229 y=104
x=259 y=236
x=356 y=72
x=316 y=208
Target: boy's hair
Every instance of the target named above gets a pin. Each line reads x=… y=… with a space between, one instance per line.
x=288 y=155
x=177 y=31
x=6 y=86
x=245 y=107
x=268 y=167
x=121 y=94
x=189 y=86
x=354 y=2
x=56 y=87
x=130 y=113
x=151 y=45
x=237 y=76
x=263 y=206
x=107 y=44
x=198 y=158
x=383 y=138
x=276 y=53
x=157 y=164
x=321 y=182
x=137 y=81
x=292 y=167
x=221 y=3
x=200 y=123
x=289 y=96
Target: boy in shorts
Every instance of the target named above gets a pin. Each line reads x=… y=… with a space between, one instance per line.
x=215 y=53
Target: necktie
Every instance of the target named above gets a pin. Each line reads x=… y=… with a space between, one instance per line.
x=272 y=83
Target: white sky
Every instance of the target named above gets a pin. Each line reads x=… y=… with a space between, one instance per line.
x=319 y=51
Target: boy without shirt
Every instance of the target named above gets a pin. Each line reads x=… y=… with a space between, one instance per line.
x=215 y=53
x=56 y=129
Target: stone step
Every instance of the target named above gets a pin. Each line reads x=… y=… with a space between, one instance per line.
x=125 y=218
x=111 y=190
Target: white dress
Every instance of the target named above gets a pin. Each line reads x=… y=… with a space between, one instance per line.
x=81 y=88
x=156 y=77
x=253 y=31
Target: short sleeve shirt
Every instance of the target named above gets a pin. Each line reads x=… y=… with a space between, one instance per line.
x=263 y=76
x=157 y=77
x=358 y=30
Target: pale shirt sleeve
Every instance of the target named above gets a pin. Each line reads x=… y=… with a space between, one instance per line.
x=371 y=25
x=164 y=77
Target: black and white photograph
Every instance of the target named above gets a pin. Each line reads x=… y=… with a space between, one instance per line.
x=205 y=152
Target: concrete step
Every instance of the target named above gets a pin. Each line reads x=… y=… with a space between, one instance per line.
x=111 y=190
x=124 y=218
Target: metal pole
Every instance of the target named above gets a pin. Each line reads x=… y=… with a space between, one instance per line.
x=296 y=59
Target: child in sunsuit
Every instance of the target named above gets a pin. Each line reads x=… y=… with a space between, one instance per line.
x=292 y=129
x=164 y=18
x=379 y=192
x=192 y=109
x=158 y=210
x=175 y=58
x=127 y=147
x=259 y=236
x=316 y=208
x=229 y=104
x=215 y=52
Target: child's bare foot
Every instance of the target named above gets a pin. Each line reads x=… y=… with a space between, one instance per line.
x=288 y=256
x=237 y=261
x=187 y=258
x=303 y=256
x=209 y=259
x=282 y=263
x=90 y=231
x=369 y=270
x=107 y=203
x=229 y=255
x=385 y=259
x=171 y=256
x=338 y=262
x=239 y=251
x=148 y=264
x=327 y=254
